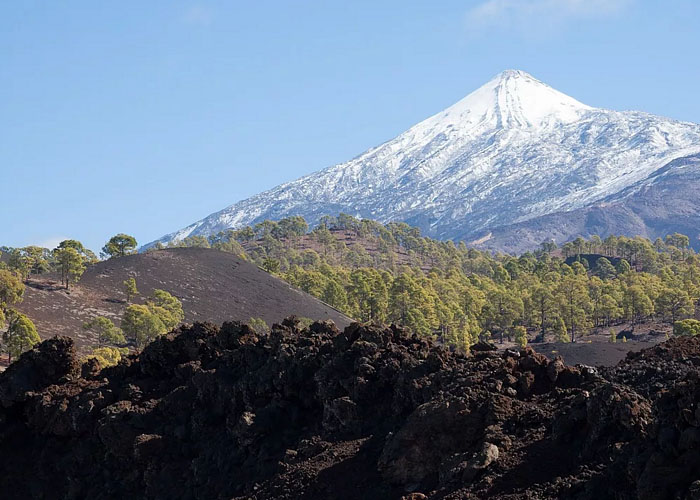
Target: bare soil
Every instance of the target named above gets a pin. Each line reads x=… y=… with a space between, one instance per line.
x=596 y=349
x=212 y=286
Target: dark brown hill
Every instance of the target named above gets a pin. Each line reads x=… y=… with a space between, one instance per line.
x=370 y=413
x=212 y=286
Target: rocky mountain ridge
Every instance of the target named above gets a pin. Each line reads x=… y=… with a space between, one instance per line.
x=513 y=152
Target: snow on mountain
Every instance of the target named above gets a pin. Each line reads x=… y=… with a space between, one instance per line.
x=666 y=202
x=511 y=151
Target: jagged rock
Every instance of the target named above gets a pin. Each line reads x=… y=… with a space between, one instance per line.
x=555 y=368
x=413 y=454
x=370 y=412
x=465 y=467
x=480 y=461
x=525 y=382
x=341 y=414
x=694 y=491
x=483 y=346
x=589 y=372
x=51 y=362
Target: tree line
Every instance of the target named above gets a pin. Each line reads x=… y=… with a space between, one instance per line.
x=70 y=258
x=390 y=273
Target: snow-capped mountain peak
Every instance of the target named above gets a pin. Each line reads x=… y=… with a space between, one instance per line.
x=513 y=150
x=512 y=99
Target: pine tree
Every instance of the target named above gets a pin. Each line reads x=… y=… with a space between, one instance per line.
x=575 y=305
x=71 y=263
x=335 y=295
x=637 y=303
x=520 y=336
x=543 y=302
x=105 y=331
x=11 y=289
x=119 y=246
x=167 y=307
x=674 y=303
x=623 y=267
x=560 y=332
x=271 y=265
x=130 y=289
x=687 y=327
x=604 y=269
x=20 y=336
x=141 y=325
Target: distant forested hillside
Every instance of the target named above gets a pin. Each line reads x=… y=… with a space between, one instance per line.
x=390 y=273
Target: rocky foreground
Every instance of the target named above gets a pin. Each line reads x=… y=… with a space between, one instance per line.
x=209 y=412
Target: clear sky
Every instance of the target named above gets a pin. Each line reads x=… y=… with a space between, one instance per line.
x=142 y=117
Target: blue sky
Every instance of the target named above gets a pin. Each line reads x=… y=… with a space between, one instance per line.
x=142 y=117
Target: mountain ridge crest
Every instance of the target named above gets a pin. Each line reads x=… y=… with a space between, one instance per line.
x=513 y=150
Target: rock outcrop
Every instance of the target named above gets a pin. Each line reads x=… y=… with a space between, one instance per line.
x=370 y=412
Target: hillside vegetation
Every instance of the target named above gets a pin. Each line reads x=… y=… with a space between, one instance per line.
x=378 y=273
x=390 y=273
x=210 y=285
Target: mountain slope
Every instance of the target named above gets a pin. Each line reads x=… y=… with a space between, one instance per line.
x=212 y=286
x=663 y=203
x=512 y=151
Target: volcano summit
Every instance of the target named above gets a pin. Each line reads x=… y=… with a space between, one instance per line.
x=511 y=164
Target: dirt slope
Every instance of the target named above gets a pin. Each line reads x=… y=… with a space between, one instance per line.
x=213 y=286
x=369 y=413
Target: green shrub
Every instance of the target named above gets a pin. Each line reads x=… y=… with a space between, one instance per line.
x=258 y=325
x=520 y=335
x=687 y=327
